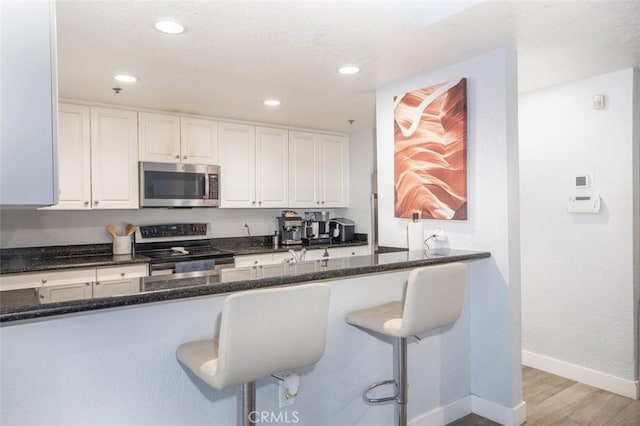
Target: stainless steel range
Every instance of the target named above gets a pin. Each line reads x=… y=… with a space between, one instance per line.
x=179 y=248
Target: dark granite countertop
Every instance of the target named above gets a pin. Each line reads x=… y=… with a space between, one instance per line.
x=33 y=259
x=16 y=305
x=242 y=246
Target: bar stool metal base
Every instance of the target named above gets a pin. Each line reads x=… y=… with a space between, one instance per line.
x=248 y=404
x=401 y=385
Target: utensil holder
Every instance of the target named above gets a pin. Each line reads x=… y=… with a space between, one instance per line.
x=122 y=244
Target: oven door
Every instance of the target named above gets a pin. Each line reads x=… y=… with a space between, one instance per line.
x=206 y=264
x=179 y=185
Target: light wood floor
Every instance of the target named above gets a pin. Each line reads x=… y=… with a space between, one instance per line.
x=553 y=400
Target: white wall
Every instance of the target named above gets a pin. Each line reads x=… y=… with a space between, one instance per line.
x=23 y=228
x=578 y=270
x=492 y=159
x=361 y=166
x=118 y=367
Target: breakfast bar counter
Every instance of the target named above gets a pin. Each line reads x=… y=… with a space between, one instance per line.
x=23 y=304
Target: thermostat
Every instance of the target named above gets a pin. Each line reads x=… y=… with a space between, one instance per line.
x=583 y=181
x=584 y=204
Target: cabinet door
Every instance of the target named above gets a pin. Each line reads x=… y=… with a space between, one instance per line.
x=334 y=177
x=64 y=293
x=159 y=138
x=114 y=159
x=199 y=141
x=74 y=158
x=29 y=100
x=272 y=167
x=116 y=288
x=303 y=170
x=237 y=165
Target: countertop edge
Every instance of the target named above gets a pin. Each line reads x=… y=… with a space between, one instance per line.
x=31 y=313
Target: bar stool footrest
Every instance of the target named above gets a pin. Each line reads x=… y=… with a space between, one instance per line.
x=384 y=399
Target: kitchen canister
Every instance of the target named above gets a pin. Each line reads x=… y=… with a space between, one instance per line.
x=415 y=234
x=122 y=244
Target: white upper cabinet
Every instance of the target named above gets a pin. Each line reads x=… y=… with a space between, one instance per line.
x=74 y=157
x=172 y=139
x=97 y=158
x=334 y=174
x=237 y=165
x=272 y=167
x=114 y=159
x=253 y=166
x=159 y=138
x=318 y=170
x=199 y=141
x=28 y=175
x=303 y=170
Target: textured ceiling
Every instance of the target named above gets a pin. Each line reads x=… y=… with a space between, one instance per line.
x=237 y=53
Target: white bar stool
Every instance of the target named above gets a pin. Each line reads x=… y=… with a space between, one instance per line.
x=261 y=332
x=434 y=298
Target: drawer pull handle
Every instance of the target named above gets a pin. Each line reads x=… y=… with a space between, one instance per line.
x=44 y=281
x=122 y=274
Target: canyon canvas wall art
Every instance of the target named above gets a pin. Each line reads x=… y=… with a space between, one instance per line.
x=430 y=152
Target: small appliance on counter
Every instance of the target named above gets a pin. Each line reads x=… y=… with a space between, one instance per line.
x=316 y=228
x=290 y=228
x=342 y=230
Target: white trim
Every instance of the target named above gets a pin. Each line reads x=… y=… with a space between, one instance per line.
x=620 y=386
x=444 y=415
x=472 y=404
x=514 y=416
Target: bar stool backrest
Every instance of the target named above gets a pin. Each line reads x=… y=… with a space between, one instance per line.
x=434 y=297
x=271 y=330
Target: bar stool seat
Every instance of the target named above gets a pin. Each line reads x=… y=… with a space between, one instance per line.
x=434 y=298
x=262 y=332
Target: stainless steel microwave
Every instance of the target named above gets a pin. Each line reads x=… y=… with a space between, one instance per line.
x=179 y=185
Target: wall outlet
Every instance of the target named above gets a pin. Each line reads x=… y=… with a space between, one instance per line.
x=288 y=389
x=440 y=234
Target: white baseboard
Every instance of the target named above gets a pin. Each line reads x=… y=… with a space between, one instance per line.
x=624 y=387
x=499 y=413
x=472 y=404
x=443 y=415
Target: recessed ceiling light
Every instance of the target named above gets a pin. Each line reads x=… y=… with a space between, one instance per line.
x=271 y=102
x=125 y=78
x=349 y=69
x=168 y=26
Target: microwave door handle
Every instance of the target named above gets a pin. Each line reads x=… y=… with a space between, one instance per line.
x=207 y=178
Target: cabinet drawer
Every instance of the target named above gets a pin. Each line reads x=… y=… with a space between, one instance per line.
x=253 y=260
x=46 y=278
x=113 y=273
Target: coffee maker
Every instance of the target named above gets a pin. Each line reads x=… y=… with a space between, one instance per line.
x=290 y=230
x=315 y=228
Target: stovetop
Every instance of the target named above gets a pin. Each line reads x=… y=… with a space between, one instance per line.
x=191 y=252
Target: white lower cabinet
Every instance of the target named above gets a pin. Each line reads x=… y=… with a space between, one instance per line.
x=254 y=260
x=78 y=284
x=312 y=254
